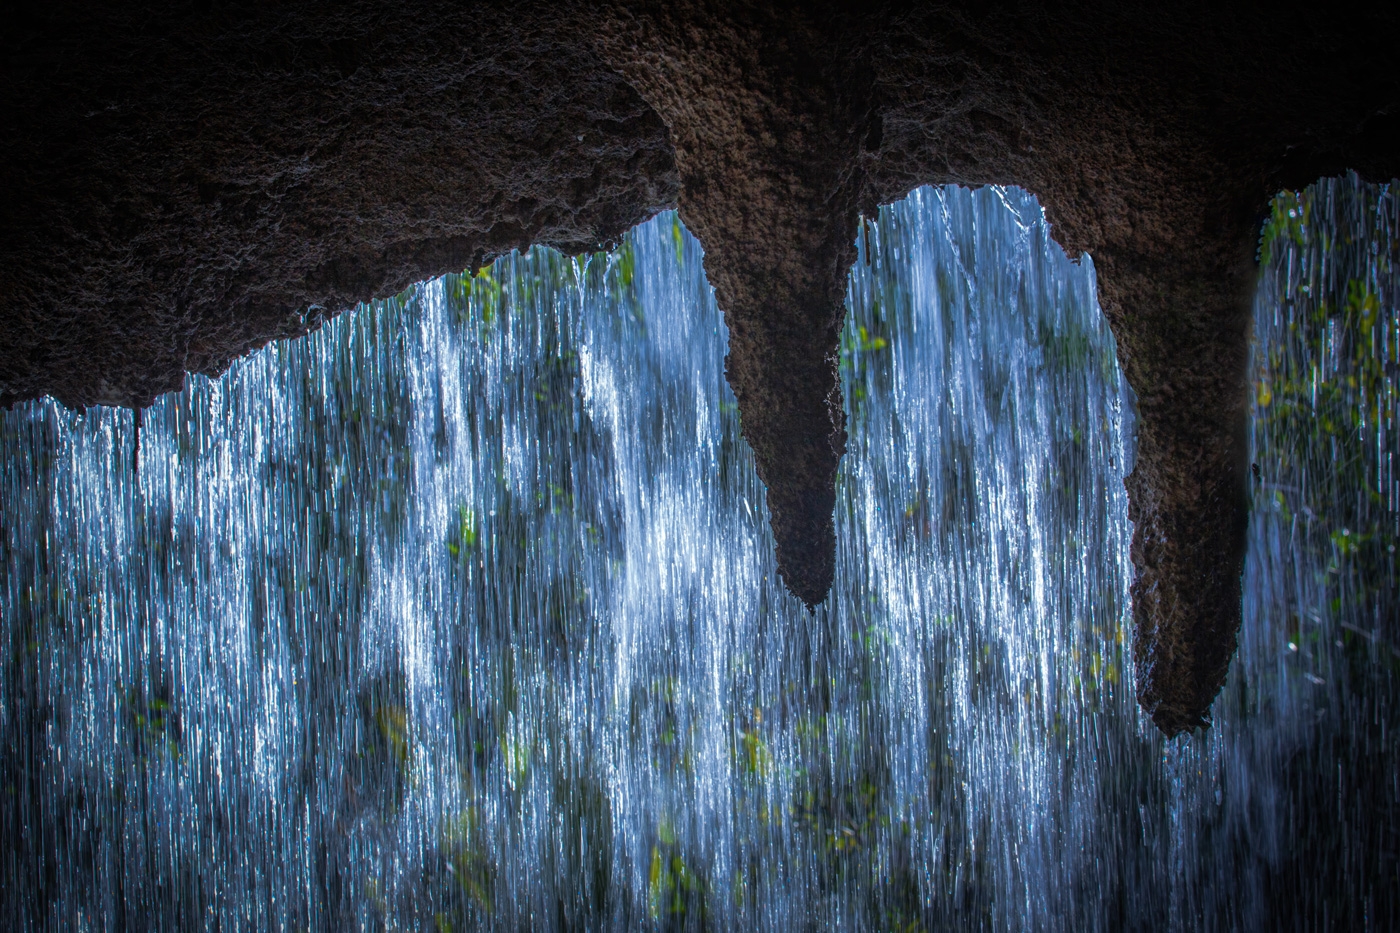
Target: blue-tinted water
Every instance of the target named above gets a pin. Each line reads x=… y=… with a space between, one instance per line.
x=462 y=613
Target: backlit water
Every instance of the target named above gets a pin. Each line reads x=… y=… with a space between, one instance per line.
x=462 y=613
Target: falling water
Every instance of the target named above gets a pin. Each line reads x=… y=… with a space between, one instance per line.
x=462 y=613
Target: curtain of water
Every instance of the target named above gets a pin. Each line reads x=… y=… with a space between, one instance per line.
x=1314 y=702
x=462 y=613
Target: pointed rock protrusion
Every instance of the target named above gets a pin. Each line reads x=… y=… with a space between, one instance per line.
x=769 y=116
x=1182 y=323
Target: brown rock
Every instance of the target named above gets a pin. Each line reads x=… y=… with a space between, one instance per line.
x=767 y=112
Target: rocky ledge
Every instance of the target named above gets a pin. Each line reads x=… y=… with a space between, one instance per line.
x=185 y=183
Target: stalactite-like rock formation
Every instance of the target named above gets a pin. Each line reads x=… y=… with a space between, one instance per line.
x=182 y=187
x=768 y=113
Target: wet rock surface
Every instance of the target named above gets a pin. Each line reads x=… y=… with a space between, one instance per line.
x=183 y=187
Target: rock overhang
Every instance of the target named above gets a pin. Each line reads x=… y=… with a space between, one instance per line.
x=184 y=189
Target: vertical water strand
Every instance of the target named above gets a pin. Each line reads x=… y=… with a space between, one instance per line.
x=990 y=437
x=1318 y=659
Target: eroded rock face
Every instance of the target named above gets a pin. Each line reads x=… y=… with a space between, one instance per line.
x=182 y=188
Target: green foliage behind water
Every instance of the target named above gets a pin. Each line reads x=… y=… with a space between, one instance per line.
x=1324 y=607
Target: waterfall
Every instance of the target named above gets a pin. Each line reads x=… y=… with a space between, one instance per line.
x=462 y=613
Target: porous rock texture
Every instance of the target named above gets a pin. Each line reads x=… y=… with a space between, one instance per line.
x=185 y=183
